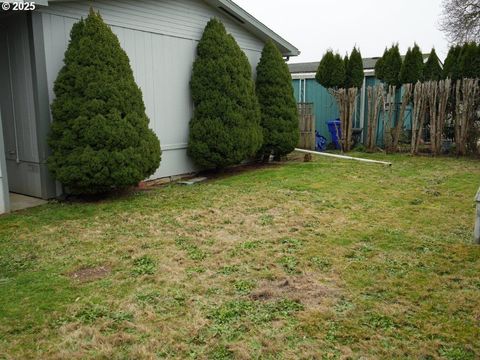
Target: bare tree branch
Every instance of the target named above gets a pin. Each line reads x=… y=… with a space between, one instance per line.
x=461 y=20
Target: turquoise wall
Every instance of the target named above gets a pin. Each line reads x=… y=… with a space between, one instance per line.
x=325 y=106
x=326 y=109
x=372 y=81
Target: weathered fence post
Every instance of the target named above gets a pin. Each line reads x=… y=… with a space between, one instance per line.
x=476 y=234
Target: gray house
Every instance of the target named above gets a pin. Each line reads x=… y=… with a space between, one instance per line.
x=160 y=38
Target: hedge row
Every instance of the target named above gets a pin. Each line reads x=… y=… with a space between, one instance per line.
x=100 y=139
x=234 y=120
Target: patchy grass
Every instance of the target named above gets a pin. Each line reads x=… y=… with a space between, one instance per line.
x=328 y=259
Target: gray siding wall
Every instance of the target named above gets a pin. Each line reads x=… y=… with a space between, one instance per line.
x=160 y=38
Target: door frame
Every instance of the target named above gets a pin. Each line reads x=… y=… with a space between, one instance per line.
x=4 y=191
x=4 y=187
x=35 y=52
x=41 y=101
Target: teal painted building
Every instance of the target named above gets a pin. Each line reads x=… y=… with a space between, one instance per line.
x=307 y=90
x=325 y=107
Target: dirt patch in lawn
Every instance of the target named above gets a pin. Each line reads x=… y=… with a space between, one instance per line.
x=304 y=289
x=90 y=274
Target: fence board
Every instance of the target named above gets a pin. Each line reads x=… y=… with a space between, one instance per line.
x=306 y=122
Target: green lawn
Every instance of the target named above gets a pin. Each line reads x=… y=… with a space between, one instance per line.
x=330 y=259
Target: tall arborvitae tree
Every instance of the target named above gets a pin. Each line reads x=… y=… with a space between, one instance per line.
x=433 y=69
x=354 y=81
x=331 y=72
x=469 y=62
x=278 y=107
x=460 y=64
x=467 y=120
x=225 y=128
x=354 y=70
x=380 y=66
x=345 y=64
x=437 y=94
x=392 y=64
x=451 y=70
x=412 y=67
x=390 y=74
x=405 y=67
x=99 y=137
x=451 y=67
x=387 y=68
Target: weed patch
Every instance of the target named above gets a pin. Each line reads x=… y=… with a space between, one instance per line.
x=192 y=250
x=320 y=263
x=244 y=287
x=266 y=220
x=254 y=311
x=144 y=266
x=289 y=264
x=92 y=313
x=229 y=270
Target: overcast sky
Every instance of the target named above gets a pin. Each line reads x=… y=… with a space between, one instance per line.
x=314 y=26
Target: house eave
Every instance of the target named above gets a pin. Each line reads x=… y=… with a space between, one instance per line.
x=255 y=26
x=246 y=20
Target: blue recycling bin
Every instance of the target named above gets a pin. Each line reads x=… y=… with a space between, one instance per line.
x=321 y=142
x=335 y=129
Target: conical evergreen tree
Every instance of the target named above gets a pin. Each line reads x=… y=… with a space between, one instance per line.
x=432 y=69
x=225 y=128
x=380 y=66
x=451 y=67
x=347 y=79
x=392 y=64
x=99 y=137
x=469 y=63
x=412 y=67
x=331 y=72
x=355 y=74
x=279 y=118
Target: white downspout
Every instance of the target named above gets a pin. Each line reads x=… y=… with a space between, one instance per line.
x=299 y=90
x=304 y=90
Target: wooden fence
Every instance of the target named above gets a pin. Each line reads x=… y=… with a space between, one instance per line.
x=306 y=122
